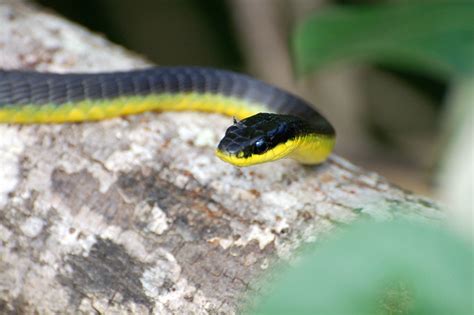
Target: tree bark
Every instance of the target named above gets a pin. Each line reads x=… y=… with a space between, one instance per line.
x=136 y=214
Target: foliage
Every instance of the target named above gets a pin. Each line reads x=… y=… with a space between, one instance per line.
x=379 y=268
x=432 y=36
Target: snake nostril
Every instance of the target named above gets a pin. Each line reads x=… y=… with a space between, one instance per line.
x=228 y=146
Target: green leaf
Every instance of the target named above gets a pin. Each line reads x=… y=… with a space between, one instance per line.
x=431 y=36
x=384 y=268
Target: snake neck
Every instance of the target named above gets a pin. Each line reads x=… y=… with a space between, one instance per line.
x=313 y=148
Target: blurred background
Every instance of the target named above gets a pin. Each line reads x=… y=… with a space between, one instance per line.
x=389 y=120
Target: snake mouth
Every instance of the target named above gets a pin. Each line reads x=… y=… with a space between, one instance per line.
x=241 y=160
x=233 y=159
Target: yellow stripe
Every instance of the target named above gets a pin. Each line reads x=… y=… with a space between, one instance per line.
x=108 y=108
x=310 y=149
x=313 y=148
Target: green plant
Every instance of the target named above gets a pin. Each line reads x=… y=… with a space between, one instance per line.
x=378 y=268
x=430 y=36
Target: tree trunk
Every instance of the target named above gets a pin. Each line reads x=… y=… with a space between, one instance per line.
x=136 y=214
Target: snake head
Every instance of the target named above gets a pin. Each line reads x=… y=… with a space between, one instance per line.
x=260 y=138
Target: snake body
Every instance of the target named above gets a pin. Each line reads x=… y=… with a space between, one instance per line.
x=274 y=123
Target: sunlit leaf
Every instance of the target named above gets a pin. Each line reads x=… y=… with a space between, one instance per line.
x=385 y=268
x=431 y=36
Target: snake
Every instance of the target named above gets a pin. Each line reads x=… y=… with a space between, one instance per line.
x=269 y=123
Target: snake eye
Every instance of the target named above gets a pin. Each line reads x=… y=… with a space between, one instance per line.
x=260 y=146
